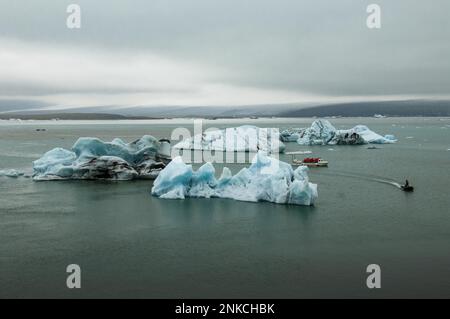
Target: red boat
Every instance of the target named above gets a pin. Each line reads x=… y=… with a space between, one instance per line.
x=311 y=161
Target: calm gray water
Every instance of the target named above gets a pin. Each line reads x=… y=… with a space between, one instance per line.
x=130 y=244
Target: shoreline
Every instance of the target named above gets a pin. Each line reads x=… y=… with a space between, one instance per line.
x=178 y=120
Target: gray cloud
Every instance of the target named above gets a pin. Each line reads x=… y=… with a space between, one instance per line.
x=313 y=48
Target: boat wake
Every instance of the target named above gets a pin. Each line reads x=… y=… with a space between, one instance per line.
x=398 y=185
x=370 y=178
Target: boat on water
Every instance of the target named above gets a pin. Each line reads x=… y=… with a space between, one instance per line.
x=309 y=161
x=407 y=188
x=312 y=162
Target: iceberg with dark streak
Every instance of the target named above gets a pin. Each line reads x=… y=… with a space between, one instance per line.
x=322 y=132
x=291 y=134
x=91 y=158
x=267 y=179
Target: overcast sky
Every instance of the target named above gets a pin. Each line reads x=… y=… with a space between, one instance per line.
x=222 y=52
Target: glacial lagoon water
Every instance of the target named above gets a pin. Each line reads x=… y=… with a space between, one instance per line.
x=130 y=244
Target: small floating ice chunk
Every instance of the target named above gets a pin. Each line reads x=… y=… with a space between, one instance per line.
x=298 y=153
x=267 y=179
x=11 y=173
x=390 y=137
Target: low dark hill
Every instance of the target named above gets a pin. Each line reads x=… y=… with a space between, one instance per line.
x=69 y=116
x=389 y=108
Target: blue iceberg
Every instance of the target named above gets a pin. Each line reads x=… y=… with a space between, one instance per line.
x=322 y=132
x=91 y=158
x=267 y=179
x=291 y=134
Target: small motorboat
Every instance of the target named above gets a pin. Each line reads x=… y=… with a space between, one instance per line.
x=407 y=188
x=311 y=162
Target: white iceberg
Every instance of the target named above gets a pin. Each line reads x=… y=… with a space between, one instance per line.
x=246 y=138
x=390 y=137
x=91 y=158
x=322 y=132
x=291 y=134
x=267 y=179
x=369 y=136
x=11 y=173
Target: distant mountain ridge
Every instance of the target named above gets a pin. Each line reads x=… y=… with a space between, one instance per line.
x=364 y=109
x=404 y=108
x=69 y=116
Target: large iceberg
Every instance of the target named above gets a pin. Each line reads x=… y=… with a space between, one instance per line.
x=267 y=179
x=246 y=138
x=91 y=158
x=322 y=132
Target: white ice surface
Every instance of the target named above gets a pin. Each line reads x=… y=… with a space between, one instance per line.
x=322 y=132
x=246 y=138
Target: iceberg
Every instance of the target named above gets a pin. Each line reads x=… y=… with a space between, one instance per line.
x=291 y=134
x=390 y=137
x=11 y=173
x=91 y=158
x=322 y=132
x=246 y=138
x=267 y=179
x=369 y=136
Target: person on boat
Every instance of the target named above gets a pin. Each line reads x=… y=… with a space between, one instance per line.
x=406 y=184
